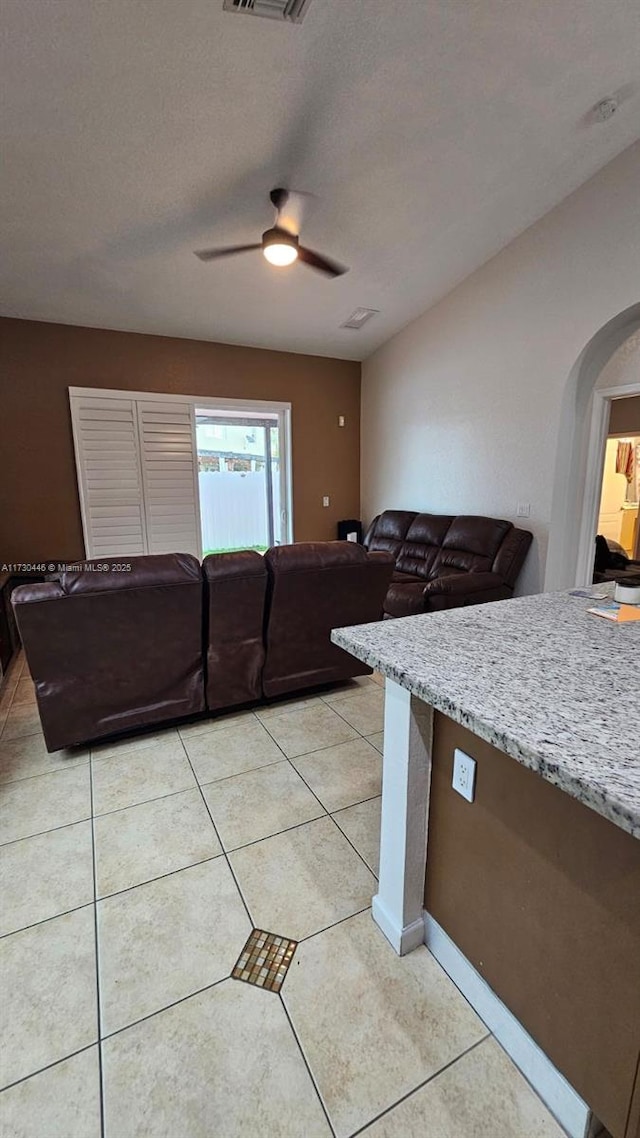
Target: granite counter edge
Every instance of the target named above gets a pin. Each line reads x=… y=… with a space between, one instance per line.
x=616 y=812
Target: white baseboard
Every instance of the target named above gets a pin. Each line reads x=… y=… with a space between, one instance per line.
x=558 y=1095
x=403 y=940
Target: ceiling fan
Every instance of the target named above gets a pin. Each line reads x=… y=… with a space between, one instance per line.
x=279 y=245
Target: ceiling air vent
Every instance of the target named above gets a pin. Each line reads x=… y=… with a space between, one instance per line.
x=360 y=317
x=290 y=10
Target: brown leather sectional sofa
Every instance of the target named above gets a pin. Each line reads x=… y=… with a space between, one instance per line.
x=444 y=562
x=111 y=649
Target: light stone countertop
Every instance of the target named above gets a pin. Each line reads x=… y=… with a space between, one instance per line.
x=541 y=679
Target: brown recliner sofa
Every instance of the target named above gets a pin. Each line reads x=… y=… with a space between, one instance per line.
x=313 y=588
x=235 y=592
x=444 y=562
x=111 y=651
x=270 y=618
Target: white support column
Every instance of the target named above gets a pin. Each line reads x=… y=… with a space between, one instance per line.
x=398 y=907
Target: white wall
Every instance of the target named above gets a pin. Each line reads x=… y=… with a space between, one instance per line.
x=623 y=369
x=461 y=409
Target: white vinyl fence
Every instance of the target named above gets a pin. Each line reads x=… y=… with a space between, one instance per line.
x=233 y=509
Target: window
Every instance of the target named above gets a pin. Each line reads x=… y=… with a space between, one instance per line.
x=157 y=474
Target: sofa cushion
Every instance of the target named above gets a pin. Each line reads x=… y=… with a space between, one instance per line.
x=313 y=588
x=235 y=588
x=312 y=556
x=388 y=531
x=421 y=546
x=106 y=574
x=470 y=545
x=405 y=599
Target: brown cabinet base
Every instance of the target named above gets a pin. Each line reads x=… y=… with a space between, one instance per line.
x=542 y=895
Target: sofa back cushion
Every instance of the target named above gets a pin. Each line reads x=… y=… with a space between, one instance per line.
x=388 y=531
x=421 y=547
x=235 y=588
x=470 y=545
x=315 y=587
x=112 y=649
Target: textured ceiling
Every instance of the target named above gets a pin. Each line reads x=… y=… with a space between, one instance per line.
x=430 y=131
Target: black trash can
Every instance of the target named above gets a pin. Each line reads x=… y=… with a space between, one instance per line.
x=350 y=530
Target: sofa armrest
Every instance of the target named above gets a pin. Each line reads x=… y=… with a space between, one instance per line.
x=38 y=591
x=368 y=537
x=463 y=584
x=382 y=558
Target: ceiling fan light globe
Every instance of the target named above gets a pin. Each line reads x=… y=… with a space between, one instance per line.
x=280 y=255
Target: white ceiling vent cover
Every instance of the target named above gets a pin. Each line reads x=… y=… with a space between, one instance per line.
x=360 y=317
x=290 y=10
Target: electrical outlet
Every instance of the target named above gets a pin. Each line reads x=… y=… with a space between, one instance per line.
x=325 y=500
x=464 y=774
x=523 y=509
x=341 y=420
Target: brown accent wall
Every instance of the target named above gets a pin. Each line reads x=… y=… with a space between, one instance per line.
x=39 y=508
x=542 y=895
x=625 y=416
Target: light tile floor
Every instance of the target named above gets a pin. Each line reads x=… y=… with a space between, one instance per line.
x=130 y=879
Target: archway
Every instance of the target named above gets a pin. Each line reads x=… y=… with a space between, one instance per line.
x=583 y=421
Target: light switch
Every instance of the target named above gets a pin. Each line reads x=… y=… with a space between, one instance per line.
x=523 y=509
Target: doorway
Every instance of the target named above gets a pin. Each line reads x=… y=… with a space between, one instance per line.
x=619 y=512
x=604 y=371
x=242 y=478
x=608 y=404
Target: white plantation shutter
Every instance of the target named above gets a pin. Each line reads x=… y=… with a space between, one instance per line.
x=170 y=476
x=137 y=474
x=109 y=476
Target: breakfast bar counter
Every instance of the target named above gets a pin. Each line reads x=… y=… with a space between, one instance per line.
x=552 y=686
x=529 y=893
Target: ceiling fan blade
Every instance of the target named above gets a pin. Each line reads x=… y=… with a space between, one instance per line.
x=225 y=251
x=322 y=264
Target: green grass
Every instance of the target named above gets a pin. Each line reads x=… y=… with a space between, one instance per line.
x=236 y=549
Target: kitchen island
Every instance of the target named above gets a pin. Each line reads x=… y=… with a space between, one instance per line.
x=530 y=894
